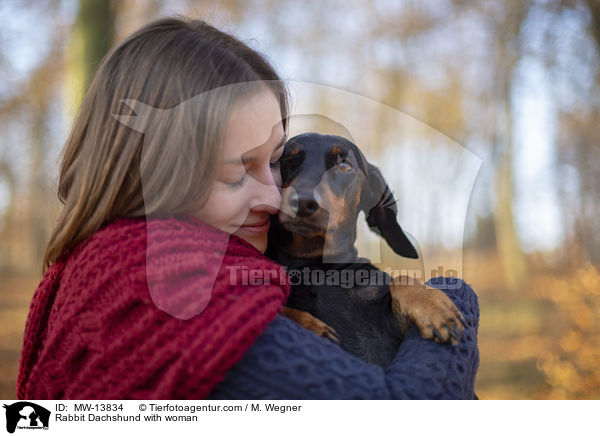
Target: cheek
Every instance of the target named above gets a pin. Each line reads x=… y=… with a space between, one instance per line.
x=225 y=209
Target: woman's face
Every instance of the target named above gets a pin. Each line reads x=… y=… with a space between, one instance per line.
x=246 y=190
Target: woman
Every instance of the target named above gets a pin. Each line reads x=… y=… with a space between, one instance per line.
x=168 y=179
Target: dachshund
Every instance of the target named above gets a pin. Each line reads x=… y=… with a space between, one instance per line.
x=326 y=183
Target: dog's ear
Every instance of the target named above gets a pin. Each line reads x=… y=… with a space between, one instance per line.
x=379 y=206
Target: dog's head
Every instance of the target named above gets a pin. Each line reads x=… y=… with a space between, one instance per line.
x=326 y=182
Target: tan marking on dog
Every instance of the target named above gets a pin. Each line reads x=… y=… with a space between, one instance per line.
x=336 y=206
x=341 y=212
x=336 y=150
x=294 y=151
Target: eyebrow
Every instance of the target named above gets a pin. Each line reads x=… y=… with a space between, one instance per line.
x=237 y=161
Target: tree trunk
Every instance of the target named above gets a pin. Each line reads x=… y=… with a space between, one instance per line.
x=95 y=23
x=508 y=54
x=509 y=248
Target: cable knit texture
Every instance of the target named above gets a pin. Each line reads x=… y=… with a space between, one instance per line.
x=132 y=313
x=289 y=362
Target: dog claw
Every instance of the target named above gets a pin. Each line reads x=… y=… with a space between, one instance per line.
x=332 y=335
x=431 y=310
x=452 y=331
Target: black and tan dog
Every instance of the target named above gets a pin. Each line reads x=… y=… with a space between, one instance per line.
x=326 y=183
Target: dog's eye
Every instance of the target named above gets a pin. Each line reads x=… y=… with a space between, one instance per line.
x=343 y=166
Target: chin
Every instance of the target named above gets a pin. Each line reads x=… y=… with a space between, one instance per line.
x=260 y=245
x=259 y=242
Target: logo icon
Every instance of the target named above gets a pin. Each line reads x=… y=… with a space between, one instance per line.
x=26 y=415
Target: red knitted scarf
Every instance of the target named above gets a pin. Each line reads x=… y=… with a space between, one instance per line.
x=155 y=309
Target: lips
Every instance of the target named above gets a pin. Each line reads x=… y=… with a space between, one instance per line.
x=257 y=227
x=257 y=224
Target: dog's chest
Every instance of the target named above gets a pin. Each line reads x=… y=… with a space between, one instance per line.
x=360 y=314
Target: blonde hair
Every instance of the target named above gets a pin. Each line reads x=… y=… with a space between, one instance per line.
x=104 y=161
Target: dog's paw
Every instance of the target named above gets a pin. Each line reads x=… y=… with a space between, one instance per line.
x=431 y=310
x=311 y=323
x=319 y=327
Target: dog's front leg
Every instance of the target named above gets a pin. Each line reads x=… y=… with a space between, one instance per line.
x=430 y=309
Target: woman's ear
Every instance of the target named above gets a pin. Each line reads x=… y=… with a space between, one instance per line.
x=379 y=206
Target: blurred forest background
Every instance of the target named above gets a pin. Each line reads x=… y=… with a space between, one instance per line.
x=516 y=82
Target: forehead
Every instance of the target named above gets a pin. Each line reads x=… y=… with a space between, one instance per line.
x=253 y=122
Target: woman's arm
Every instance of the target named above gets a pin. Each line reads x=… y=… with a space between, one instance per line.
x=290 y=362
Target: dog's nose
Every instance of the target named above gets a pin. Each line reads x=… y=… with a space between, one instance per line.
x=306 y=205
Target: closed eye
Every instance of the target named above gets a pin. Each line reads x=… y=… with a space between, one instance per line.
x=237 y=184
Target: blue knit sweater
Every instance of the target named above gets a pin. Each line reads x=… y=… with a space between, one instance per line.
x=289 y=362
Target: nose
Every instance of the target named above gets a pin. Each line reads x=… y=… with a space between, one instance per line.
x=268 y=192
x=271 y=196
x=304 y=203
